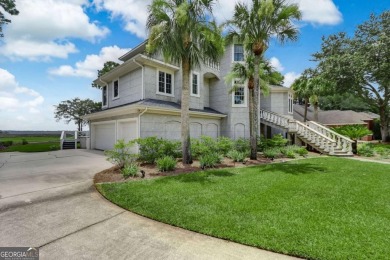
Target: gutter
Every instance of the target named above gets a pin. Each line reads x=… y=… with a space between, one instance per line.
x=142 y=78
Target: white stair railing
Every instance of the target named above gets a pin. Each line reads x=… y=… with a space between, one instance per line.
x=275 y=118
x=342 y=143
x=314 y=137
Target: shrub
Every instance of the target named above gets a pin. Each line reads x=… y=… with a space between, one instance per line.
x=153 y=148
x=24 y=141
x=167 y=163
x=302 y=151
x=203 y=145
x=365 y=150
x=276 y=141
x=130 y=169
x=6 y=143
x=383 y=152
x=121 y=154
x=236 y=156
x=272 y=152
x=354 y=132
x=209 y=160
x=242 y=145
x=224 y=145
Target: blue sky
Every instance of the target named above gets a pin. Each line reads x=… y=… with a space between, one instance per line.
x=52 y=50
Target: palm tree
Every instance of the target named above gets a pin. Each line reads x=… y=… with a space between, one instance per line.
x=301 y=90
x=254 y=26
x=185 y=33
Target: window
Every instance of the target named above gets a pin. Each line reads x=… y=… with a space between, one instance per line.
x=238 y=54
x=165 y=83
x=239 y=95
x=195 y=84
x=116 y=89
x=104 y=96
x=290 y=103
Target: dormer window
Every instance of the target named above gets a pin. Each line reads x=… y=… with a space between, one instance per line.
x=115 y=89
x=104 y=96
x=238 y=52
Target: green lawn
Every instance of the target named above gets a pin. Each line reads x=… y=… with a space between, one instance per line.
x=34 y=147
x=324 y=208
x=37 y=139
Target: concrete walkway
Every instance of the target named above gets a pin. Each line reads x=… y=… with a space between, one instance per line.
x=47 y=200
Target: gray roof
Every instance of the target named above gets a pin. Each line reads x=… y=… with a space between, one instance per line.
x=165 y=104
x=334 y=117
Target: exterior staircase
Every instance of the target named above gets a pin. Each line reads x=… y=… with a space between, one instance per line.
x=68 y=140
x=316 y=135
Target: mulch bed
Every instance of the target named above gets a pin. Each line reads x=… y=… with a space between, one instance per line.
x=113 y=174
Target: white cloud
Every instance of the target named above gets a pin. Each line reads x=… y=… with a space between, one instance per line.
x=322 y=12
x=43 y=28
x=88 y=67
x=133 y=12
x=16 y=98
x=289 y=78
x=276 y=64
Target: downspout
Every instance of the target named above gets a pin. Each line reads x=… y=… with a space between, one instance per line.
x=139 y=122
x=142 y=79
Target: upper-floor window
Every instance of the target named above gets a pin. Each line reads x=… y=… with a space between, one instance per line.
x=238 y=52
x=104 y=96
x=165 y=83
x=239 y=94
x=115 y=89
x=290 y=103
x=195 y=84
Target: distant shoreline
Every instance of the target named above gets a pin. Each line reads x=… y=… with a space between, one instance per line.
x=21 y=132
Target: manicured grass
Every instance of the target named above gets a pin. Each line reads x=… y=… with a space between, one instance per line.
x=33 y=147
x=324 y=208
x=37 y=139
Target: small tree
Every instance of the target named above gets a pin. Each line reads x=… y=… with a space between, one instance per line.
x=75 y=109
x=10 y=7
x=121 y=155
x=108 y=66
x=355 y=132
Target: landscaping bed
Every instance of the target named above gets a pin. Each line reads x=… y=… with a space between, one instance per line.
x=320 y=208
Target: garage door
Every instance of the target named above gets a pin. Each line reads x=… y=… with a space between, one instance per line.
x=127 y=130
x=104 y=136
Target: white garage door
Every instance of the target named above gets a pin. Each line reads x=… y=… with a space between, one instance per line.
x=127 y=130
x=104 y=136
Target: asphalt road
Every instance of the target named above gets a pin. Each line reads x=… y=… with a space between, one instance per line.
x=47 y=200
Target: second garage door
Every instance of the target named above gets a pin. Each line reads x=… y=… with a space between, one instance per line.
x=104 y=136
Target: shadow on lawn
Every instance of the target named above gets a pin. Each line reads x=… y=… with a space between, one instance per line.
x=294 y=169
x=199 y=177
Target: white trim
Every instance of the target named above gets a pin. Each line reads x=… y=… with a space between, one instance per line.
x=105 y=106
x=158 y=70
x=191 y=93
x=113 y=89
x=245 y=97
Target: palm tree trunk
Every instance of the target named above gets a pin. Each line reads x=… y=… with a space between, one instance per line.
x=252 y=123
x=255 y=116
x=305 y=114
x=185 y=113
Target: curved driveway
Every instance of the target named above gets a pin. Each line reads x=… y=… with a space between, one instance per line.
x=47 y=200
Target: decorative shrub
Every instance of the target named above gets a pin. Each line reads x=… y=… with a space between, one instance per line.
x=224 y=145
x=272 y=153
x=383 y=152
x=354 y=132
x=276 y=141
x=153 y=148
x=242 y=145
x=236 y=156
x=302 y=151
x=365 y=150
x=203 y=145
x=7 y=143
x=121 y=154
x=130 y=170
x=209 y=160
x=167 y=163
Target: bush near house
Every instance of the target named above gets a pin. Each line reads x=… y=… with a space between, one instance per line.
x=153 y=148
x=276 y=141
x=166 y=163
x=121 y=155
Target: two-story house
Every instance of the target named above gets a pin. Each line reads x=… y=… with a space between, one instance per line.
x=141 y=98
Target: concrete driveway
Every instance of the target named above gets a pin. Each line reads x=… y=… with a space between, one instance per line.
x=47 y=200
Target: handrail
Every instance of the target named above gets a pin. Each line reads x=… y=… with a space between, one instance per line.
x=315 y=131
x=75 y=139
x=276 y=114
x=330 y=130
x=62 y=138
